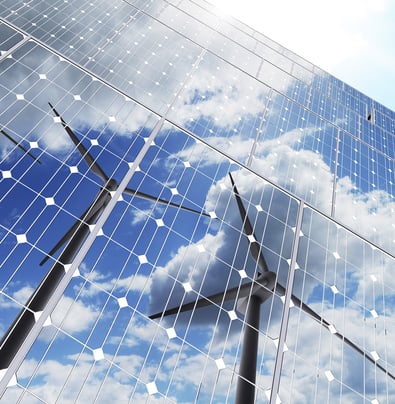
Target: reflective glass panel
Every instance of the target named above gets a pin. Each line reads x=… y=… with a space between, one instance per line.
x=338 y=342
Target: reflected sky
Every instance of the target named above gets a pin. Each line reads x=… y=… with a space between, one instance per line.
x=284 y=144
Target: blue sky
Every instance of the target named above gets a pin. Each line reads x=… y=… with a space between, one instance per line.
x=353 y=39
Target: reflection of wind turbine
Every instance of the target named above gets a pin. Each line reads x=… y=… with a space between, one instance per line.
x=75 y=236
x=249 y=297
x=9 y=137
x=104 y=195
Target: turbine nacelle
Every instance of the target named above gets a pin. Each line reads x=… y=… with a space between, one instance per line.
x=111 y=185
x=262 y=288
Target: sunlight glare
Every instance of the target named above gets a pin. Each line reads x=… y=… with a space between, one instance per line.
x=225 y=8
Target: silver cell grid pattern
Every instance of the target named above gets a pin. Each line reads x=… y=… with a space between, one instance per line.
x=163 y=173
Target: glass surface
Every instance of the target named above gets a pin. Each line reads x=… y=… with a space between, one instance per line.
x=223 y=106
x=344 y=353
x=224 y=44
x=45 y=185
x=108 y=39
x=296 y=149
x=133 y=135
x=365 y=191
x=8 y=38
x=275 y=77
x=149 y=255
x=298 y=59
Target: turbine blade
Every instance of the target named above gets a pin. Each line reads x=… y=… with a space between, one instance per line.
x=202 y=302
x=148 y=197
x=298 y=303
x=85 y=219
x=90 y=161
x=9 y=137
x=68 y=235
x=254 y=247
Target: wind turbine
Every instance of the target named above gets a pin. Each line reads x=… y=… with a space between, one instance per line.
x=75 y=236
x=9 y=137
x=103 y=196
x=250 y=297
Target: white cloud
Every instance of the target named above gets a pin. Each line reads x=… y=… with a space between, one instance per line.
x=345 y=363
x=187 y=265
x=226 y=97
x=99 y=282
x=238 y=147
x=21 y=296
x=73 y=316
x=140 y=216
x=77 y=381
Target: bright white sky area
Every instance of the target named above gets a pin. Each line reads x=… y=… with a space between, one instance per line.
x=352 y=39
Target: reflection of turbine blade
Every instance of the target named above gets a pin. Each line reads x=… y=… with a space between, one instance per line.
x=110 y=184
x=90 y=161
x=261 y=287
x=9 y=137
x=23 y=324
x=204 y=301
x=85 y=219
x=95 y=167
x=254 y=246
x=162 y=201
x=65 y=237
x=298 y=303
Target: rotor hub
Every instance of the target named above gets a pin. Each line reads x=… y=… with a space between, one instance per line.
x=262 y=288
x=111 y=185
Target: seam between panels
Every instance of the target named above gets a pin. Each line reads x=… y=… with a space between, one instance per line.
x=287 y=303
x=259 y=129
x=58 y=293
x=333 y=207
x=10 y=51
